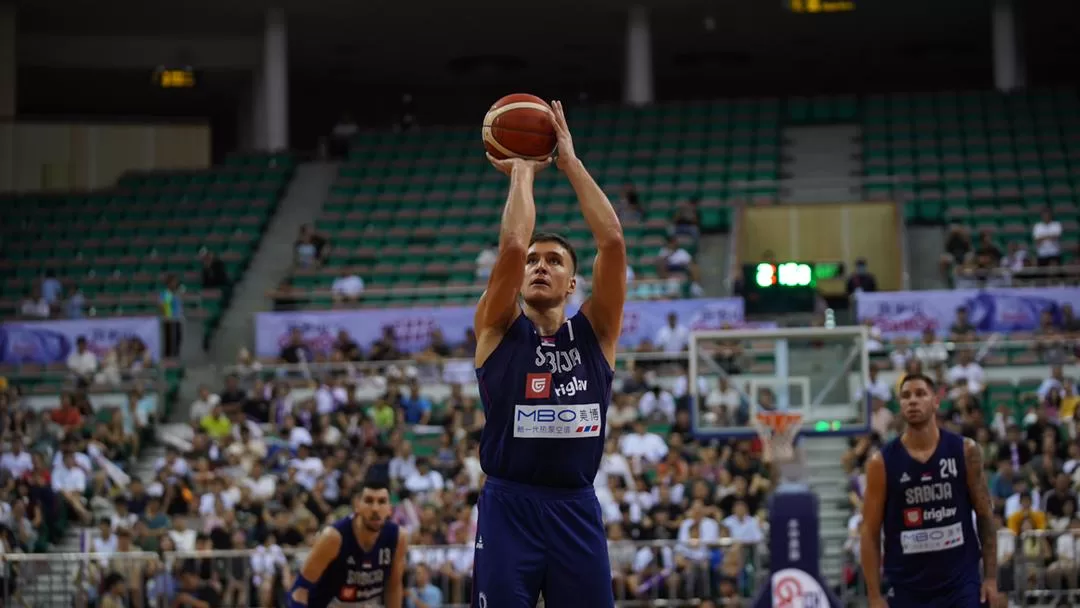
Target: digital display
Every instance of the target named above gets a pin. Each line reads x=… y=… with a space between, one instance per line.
x=174 y=78
x=787 y=274
x=820 y=6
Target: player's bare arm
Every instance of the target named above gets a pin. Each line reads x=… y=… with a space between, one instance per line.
x=979 y=490
x=395 y=588
x=325 y=550
x=873 y=512
x=604 y=308
x=498 y=305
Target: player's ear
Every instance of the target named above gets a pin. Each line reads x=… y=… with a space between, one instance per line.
x=573 y=283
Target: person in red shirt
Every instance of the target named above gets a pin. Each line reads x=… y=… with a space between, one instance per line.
x=67 y=415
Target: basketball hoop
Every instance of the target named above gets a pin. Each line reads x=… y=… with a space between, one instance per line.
x=778 y=431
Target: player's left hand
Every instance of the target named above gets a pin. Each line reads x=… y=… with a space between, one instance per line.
x=989 y=592
x=562 y=136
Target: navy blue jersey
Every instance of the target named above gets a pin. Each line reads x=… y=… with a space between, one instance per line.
x=930 y=540
x=356 y=577
x=546 y=400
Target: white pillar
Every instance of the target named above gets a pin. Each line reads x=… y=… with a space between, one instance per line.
x=275 y=80
x=8 y=64
x=639 y=89
x=1008 y=75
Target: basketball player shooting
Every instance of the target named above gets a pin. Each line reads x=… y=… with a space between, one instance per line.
x=545 y=383
x=923 y=487
x=359 y=561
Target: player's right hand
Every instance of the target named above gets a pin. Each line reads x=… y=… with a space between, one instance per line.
x=509 y=166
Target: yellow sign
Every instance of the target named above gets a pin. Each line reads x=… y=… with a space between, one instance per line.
x=175 y=79
x=822 y=6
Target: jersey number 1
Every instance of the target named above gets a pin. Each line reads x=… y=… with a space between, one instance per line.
x=384 y=556
x=948 y=468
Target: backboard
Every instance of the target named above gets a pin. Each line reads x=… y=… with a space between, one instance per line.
x=820 y=373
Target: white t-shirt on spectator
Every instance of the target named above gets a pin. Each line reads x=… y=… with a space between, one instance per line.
x=179 y=467
x=931 y=355
x=35 y=308
x=185 y=540
x=681 y=386
x=308 y=470
x=299 y=436
x=650 y=403
x=879 y=389
x=1050 y=231
x=708 y=530
x=613 y=465
x=17 y=464
x=103 y=544
x=350 y=286
x=83 y=364
x=730 y=398
x=972 y=373
x=648 y=446
x=262 y=488
x=81 y=460
x=673 y=339
x=203 y=407
x=420 y=484
x=266 y=560
x=208 y=501
x=746 y=531
x=126 y=522
x=69 y=480
x=402 y=468
x=1067 y=547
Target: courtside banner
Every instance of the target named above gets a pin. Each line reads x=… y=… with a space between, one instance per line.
x=413 y=326
x=45 y=342
x=908 y=313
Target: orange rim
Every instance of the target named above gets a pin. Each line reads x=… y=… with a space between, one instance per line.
x=778 y=421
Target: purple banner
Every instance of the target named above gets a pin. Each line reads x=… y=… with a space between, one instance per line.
x=52 y=341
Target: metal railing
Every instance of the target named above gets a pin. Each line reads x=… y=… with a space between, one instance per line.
x=1036 y=276
x=644 y=573
x=1043 y=568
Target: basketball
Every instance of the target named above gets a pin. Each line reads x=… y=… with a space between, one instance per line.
x=518 y=126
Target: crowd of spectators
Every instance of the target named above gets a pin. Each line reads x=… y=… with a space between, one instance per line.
x=981 y=262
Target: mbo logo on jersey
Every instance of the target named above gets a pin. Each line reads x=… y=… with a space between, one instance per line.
x=557 y=361
x=557 y=421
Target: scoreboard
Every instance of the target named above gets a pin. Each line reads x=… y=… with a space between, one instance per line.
x=786 y=287
x=820 y=6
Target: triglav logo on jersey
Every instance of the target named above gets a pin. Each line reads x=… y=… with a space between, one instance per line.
x=537 y=386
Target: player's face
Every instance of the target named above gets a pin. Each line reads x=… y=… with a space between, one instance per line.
x=549 y=275
x=918 y=403
x=373 y=507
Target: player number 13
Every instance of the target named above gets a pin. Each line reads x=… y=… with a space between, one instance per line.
x=384 y=556
x=948 y=468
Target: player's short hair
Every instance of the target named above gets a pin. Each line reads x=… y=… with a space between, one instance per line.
x=372 y=482
x=912 y=377
x=552 y=237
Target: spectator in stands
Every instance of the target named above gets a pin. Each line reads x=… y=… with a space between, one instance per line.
x=51 y=288
x=1046 y=234
x=485 y=260
x=962 y=330
x=861 y=280
x=957 y=249
x=642 y=447
x=172 y=315
x=629 y=205
x=386 y=347
x=15 y=460
x=1016 y=258
x=202 y=406
x=347 y=289
x=685 y=220
x=296 y=350
x=673 y=261
x=82 y=363
x=232 y=396
x=214 y=275
x=988 y=253
x=310 y=249
x=74 y=301
x=673 y=337
x=35 y=306
x=931 y=352
x=967 y=373
x=70 y=480
x=1026 y=511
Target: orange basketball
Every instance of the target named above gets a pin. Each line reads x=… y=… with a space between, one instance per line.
x=518 y=126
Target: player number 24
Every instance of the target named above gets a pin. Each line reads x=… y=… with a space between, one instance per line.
x=948 y=468
x=384 y=556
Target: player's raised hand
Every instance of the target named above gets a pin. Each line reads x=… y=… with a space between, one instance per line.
x=562 y=136
x=509 y=165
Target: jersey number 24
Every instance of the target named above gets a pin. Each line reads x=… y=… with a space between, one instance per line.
x=948 y=468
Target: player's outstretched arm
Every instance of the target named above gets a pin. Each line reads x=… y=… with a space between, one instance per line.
x=498 y=305
x=979 y=491
x=395 y=588
x=873 y=513
x=604 y=308
x=326 y=549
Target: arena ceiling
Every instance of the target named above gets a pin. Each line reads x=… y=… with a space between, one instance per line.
x=380 y=48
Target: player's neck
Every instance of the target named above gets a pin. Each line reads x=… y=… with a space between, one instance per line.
x=364 y=536
x=922 y=438
x=548 y=321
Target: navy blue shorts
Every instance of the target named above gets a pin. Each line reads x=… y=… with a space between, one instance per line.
x=965 y=595
x=531 y=539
